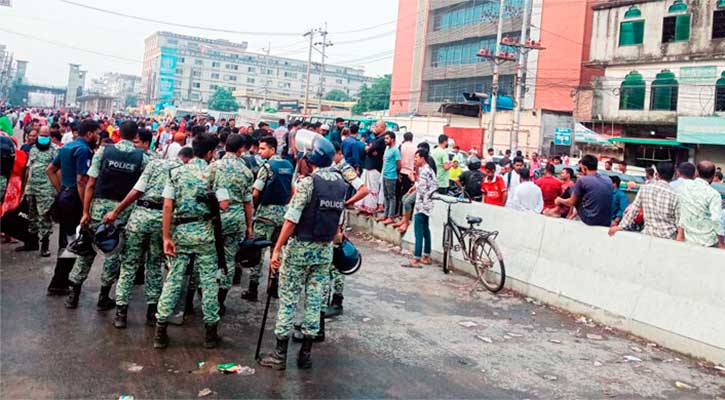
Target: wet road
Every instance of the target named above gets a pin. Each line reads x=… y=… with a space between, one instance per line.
x=404 y=334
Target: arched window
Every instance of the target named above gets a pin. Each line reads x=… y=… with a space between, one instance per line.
x=676 y=27
x=720 y=93
x=664 y=92
x=631 y=93
x=631 y=32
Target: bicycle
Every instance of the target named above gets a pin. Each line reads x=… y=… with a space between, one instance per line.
x=477 y=246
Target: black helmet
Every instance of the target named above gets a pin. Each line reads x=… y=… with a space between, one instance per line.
x=82 y=245
x=321 y=153
x=474 y=164
x=249 y=253
x=108 y=238
x=346 y=258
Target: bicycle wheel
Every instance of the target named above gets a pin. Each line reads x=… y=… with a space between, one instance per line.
x=487 y=259
x=447 y=247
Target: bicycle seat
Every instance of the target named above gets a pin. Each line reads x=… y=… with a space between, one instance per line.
x=473 y=220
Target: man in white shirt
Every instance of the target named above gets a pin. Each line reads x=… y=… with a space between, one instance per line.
x=173 y=149
x=527 y=195
x=281 y=135
x=513 y=177
x=67 y=133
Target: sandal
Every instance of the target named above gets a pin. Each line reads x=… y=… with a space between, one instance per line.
x=411 y=265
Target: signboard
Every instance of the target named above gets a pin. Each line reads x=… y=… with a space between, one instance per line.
x=166 y=88
x=562 y=136
x=701 y=130
x=697 y=74
x=167 y=63
x=289 y=106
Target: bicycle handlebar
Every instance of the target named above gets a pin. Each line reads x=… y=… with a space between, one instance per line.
x=449 y=199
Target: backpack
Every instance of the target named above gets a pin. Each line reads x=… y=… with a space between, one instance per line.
x=473 y=184
x=252 y=164
x=278 y=186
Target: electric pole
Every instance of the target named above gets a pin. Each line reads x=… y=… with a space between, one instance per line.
x=311 y=34
x=494 y=79
x=324 y=45
x=266 y=80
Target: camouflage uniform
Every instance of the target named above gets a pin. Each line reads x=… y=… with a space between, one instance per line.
x=143 y=235
x=39 y=193
x=99 y=208
x=194 y=240
x=303 y=264
x=231 y=180
x=268 y=218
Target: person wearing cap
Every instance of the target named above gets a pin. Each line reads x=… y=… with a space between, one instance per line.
x=172 y=150
x=324 y=130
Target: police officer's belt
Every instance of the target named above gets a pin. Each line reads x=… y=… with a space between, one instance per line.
x=150 y=204
x=188 y=220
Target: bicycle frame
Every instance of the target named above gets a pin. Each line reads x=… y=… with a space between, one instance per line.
x=461 y=233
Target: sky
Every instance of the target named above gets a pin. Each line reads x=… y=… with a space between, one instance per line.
x=50 y=34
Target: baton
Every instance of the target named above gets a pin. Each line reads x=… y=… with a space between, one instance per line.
x=271 y=290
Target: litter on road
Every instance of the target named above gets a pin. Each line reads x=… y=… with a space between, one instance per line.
x=205 y=392
x=467 y=324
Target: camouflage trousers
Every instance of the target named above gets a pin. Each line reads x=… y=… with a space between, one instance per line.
x=111 y=265
x=292 y=278
x=205 y=269
x=39 y=214
x=266 y=230
x=231 y=244
x=142 y=246
x=336 y=286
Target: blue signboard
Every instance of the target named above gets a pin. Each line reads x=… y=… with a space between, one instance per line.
x=167 y=63
x=166 y=88
x=562 y=136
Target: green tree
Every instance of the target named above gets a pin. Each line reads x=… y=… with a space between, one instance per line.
x=131 y=100
x=374 y=97
x=222 y=100
x=337 y=95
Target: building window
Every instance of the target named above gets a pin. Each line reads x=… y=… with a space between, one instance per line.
x=232 y=89
x=269 y=72
x=195 y=96
x=233 y=67
x=338 y=81
x=290 y=75
x=631 y=32
x=179 y=71
x=215 y=64
x=284 y=85
x=215 y=75
x=181 y=60
x=230 y=78
x=676 y=28
x=196 y=74
x=464 y=52
x=474 y=12
x=664 y=92
x=631 y=93
x=196 y=85
x=720 y=94
x=213 y=87
x=251 y=69
x=718 y=23
x=452 y=89
x=198 y=62
x=250 y=80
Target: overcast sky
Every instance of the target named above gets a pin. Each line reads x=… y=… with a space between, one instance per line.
x=73 y=30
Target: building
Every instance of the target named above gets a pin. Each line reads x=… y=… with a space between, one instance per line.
x=122 y=87
x=76 y=83
x=662 y=93
x=186 y=70
x=97 y=103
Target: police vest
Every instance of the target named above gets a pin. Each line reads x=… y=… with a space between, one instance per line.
x=119 y=172
x=321 y=217
x=252 y=164
x=279 y=183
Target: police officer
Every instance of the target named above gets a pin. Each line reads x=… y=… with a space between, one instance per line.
x=72 y=161
x=303 y=252
x=271 y=193
x=231 y=180
x=188 y=238
x=143 y=246
x=39 y=193
x=114 y=170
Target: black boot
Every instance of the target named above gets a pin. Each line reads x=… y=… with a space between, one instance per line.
x=59 y=284
x=121 y=316
x=45 y=247
x=335 y=307
x=251 y=293
x=277 y=359
x=222 y=297
x=104 y=301
x=161 y=339
x=30 y=245
x=211 y=338
x=237 y=279
x=298 y=337
x=151 y=314
x=73 y=296
x=304 y=360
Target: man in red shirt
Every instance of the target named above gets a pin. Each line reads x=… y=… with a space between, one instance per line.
x=550 y=186
x=493 y=187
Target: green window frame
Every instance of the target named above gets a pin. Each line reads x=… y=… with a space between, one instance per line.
x=631 y=33
x=663 y=96
x=720 y=93
x=676 y=28
x=632 y=91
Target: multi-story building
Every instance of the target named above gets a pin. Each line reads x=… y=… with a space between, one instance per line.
x=186 y=70
x=76 y=82
x=663 y=86
x=121 y=87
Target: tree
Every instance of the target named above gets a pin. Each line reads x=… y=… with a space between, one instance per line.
x=337 y=95
x=222 y=100
x=375 y=97
x=131 y=100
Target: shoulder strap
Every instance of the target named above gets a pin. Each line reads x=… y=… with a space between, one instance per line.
x=508 y=180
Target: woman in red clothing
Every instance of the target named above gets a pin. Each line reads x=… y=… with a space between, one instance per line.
x=493 y=187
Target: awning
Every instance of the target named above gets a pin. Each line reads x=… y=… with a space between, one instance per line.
x=582 y=134
x=653 y=142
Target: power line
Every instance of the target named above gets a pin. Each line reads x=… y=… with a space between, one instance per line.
x=364 y=29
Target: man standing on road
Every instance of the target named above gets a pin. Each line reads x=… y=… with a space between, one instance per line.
x=373 y=165
x=443 y=163
x=113 y=172
x=700 y=209
x=661 y=206
x=391 y=166
x=72 y=161
x=592 y=195
x=191 y=241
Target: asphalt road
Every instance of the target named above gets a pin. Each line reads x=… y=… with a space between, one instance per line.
x=404 y=334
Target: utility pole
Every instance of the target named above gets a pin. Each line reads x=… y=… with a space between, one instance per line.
x=266 y=80
x=324 y=45
x=311 y=34
x=494 y=79
x=520 y=85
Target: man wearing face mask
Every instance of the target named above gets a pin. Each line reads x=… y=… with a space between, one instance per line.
x=69 y=174
x=39 y=192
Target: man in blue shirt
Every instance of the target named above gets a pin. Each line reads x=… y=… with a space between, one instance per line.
x=73 y=161
x=620 y=201
x=351 y=148
x=391 y=167
x=592 y=194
